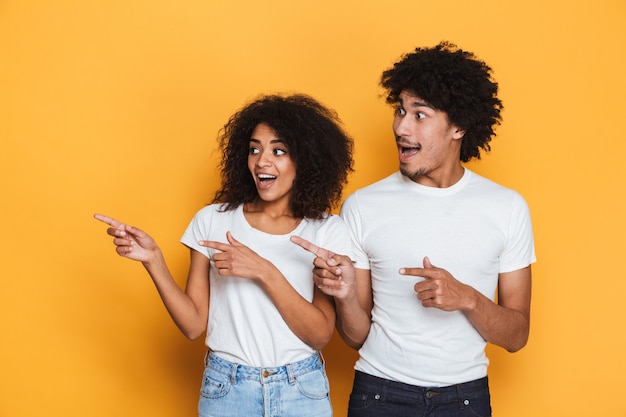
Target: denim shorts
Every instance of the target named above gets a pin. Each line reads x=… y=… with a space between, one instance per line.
x=299 y=389
x=378 y=397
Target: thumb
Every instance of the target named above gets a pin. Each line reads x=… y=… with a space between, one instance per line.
x=427 y=263
x=231 y=239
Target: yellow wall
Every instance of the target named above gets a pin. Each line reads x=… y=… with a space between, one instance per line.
x=114 y=106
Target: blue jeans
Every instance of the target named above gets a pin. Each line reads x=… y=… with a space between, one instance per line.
x=298 y=389
x=378 y=397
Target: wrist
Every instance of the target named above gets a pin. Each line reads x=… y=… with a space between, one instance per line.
x=154 y=258
x=348 y=298
x=472 y=300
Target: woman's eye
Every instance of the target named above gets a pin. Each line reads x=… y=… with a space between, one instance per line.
x=280 y=152
x=253 y=151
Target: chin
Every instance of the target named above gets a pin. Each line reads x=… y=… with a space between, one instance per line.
x=411 y=173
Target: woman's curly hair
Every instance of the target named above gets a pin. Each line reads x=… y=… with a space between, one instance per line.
x=315 y=139
x=456 y=82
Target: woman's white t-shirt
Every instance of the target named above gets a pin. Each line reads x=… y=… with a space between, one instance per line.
x=244 y=325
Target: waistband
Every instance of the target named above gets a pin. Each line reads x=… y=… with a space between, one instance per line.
x=238 y=371
x=389 y=388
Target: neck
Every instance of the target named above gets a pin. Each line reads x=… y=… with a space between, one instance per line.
x=274 y=209
x=270 y=218
x=441 y=178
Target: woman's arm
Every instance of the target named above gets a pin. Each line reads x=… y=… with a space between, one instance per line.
x=313 y=322
x=189 y=309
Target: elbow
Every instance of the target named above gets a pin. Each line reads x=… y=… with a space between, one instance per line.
x=354 y=345
x=517 y=343
x=193 y=334
x=318 y=346
x=516 y=347
x=352 y=342
x=321 y=341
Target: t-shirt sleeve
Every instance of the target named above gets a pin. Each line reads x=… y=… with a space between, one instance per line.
x=352 y=216
x=520 y=249
x=198 y=229
x=336 y=237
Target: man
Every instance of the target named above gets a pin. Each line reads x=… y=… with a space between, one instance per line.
x=421 y=330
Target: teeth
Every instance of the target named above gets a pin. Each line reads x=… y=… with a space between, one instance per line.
x=266 y=177
x=407 y=148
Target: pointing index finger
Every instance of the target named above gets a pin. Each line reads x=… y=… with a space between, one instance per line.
x=214 y=245
x=417 y=272
x=311 y=247
x=108 y=220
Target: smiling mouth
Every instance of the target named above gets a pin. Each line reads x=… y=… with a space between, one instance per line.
x=265 y=177
x=408 y=150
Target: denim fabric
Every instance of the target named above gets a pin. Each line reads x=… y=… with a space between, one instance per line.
x=299 y=389
x=378 y=397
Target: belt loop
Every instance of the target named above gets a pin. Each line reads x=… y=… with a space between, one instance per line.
x=319 y=353
x=460 y=396
x=290 y=375
x=233 y=374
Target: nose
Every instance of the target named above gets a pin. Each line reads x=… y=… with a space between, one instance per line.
x=264 y=159
x=401 y=126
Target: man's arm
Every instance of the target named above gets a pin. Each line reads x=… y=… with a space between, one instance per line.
x=506 y=324
x=354 y=313
x=351 y=288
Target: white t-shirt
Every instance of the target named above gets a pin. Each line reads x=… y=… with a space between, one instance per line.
x=244 y=325
x=474 y=229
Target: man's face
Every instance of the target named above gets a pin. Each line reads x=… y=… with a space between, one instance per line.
x=428 y=144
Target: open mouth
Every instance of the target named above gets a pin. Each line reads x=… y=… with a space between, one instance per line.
x=265 y=177
x=265 y=181
x=407 y=152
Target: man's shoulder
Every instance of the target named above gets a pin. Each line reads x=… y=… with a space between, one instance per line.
x=490 y=189
x=374 y=197
x=387 y=184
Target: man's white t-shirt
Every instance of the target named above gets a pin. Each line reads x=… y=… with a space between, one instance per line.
x=475 y=229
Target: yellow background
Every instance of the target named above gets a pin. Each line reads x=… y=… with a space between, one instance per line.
x=114 y=106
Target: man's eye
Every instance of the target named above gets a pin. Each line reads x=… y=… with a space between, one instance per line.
x=400 y=111
x=420 y=115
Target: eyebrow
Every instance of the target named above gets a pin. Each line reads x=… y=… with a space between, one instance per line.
x=416 y=103
x=271 y=141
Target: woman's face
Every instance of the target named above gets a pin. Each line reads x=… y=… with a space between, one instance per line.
x=270 y=164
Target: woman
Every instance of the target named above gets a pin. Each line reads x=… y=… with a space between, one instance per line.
x=285 y=162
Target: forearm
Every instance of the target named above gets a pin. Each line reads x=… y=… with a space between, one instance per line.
x=313 y=322
x=501 y=326
x=187 y=316
x=353 y=322
x=309 y=323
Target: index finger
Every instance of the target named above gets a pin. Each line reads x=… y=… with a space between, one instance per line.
x=311 y=247
x=108 y=220
x=214 y=245
x=417 y=272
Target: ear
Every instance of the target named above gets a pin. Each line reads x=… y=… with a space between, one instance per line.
x=457 y=132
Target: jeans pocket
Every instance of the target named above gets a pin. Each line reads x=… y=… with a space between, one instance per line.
x=361 y=399
x=477 y=406
x=214 y=384
x=313 y=384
